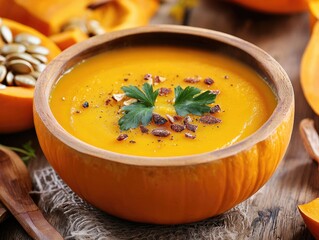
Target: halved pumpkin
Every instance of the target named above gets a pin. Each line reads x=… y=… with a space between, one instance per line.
x=310 y=215
x=16 y=102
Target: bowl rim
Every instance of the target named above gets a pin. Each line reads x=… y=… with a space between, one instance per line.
x=282 y=89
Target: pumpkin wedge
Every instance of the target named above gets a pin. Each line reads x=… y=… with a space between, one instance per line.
x=274 y=6
x=314 y=12
x=46 y=16
x=310 y=215
x=309 y=70
x=16 y=102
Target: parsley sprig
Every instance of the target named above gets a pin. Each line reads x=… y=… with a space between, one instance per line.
x=141 y=111
x=191 y=101
x=27 y=151
x=187 y=101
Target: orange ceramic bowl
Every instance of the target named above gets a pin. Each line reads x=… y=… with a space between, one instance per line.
x=166 y=190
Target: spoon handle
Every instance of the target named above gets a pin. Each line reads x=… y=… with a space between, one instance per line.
x=14 y=194
x=3 y=213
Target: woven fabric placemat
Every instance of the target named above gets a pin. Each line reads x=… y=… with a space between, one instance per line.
x=83 y=221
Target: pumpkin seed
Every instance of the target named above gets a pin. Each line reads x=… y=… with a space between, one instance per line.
x=20 y=66
x=35 y=74
x=9 y=79
x=3 y=73
x=24 y=80
x=27 y=38
x=40 y=57
x=37 y=50
x=2 y=86
x=75 y=23
x=95 y=28
x=13 y=48
x=2 y=59
x=40 y=67
x=6 y=34
x=24 y=56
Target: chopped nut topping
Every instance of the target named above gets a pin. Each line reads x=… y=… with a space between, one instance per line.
x=215 y=109
x=178 y=118
x=208 y=119
x=144 y=129
x=177 y=127
x=118 y=96
x=191 y=136
x=85 y=104
x=191 y=127
x=187 y=120
x=132 y=141
x=129 y=102
x=158 y=119
x=161 y=132
x=122 y=137
x=226 y=77
x=170 y=118
x=208 y=81
x=159 y=79
x=148 y=77
x=216 y=92
x=164 y=91
x=192 y=79
x=107 y=102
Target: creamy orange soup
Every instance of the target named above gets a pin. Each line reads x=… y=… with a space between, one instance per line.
x=82 y=100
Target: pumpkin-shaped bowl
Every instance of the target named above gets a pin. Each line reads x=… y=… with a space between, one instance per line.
x=167 y=190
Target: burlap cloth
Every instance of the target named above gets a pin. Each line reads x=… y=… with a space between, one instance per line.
x=83 y=221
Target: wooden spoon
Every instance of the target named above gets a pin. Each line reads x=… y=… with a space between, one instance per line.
x=3 y=213
x=310 y=138
x=15 y=184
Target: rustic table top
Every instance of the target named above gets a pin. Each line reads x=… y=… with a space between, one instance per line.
x=274 y=213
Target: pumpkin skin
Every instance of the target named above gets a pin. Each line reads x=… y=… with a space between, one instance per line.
x=16 y=102
x=274 y=6
x=310 y=214
x=163 y=190
x=309 y=74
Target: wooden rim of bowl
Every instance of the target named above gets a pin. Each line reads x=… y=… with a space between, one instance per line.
x=269 y=69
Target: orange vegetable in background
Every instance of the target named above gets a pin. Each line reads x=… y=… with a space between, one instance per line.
x=310 y=215
x=16 y=102
x=46 y=16
x=309 y=70
x=274 y=6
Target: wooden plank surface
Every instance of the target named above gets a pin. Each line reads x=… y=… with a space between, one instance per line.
x=274 y=213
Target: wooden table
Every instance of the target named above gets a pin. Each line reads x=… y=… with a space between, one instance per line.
x=274 y=213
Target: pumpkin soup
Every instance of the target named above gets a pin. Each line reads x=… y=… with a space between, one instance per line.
x=161 y=101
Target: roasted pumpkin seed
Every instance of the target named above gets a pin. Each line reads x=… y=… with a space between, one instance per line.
x=23 y=56
x=24 y=80
x=6 y=34
x=3 y=73
x=2 y=59
x=12 y=48
x=40 y=67
x=94 y=28
x=9 y=78
x=2 y=86
x=27 y=38
x=35 y=74
x=20 y=66
x=40 y=57
x=37 y=50
x=76 y=23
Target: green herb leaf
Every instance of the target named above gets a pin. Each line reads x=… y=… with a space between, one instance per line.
x=191 y=101
x=141 y=111
x=27 y=151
